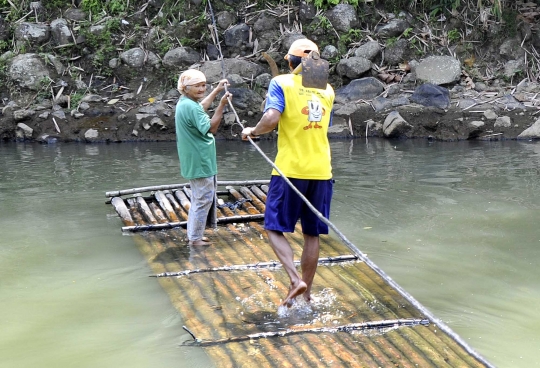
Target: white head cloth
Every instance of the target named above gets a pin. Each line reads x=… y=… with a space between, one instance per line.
x=189 y=78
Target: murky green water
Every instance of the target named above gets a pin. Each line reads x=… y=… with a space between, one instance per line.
x=455 y=224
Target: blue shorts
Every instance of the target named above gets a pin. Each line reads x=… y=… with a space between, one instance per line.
x=284 y=207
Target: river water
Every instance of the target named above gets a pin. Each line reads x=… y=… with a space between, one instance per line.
x=455 y=224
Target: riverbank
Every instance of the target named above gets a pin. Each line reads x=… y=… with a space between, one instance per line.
x=107 y=72
x=469 y=116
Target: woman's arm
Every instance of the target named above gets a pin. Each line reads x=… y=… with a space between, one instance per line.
x=207 y=101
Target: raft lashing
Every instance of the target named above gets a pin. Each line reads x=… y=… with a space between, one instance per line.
x=228 y=292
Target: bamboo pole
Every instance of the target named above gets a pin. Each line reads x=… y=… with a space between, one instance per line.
x=117 y=193
x=145 y=210
x=166 y=206
x=254 y=266
x=180 y=212
x=362 y=326
x=158 y=213
x=122 y=211
x=255 y=201
x=171 y=225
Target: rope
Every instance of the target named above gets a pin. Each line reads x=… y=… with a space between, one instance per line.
x=351 y=246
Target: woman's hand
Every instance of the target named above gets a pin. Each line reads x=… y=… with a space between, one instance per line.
x=221 y=85
x=227 y=96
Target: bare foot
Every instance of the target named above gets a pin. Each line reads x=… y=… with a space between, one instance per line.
x=204 y=238
x=199 y=242
x=294 y=291
x=307 y=297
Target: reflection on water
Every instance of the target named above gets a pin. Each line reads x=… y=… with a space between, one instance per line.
x=455 y=224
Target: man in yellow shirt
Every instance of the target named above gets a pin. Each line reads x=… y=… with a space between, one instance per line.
x=302 y=116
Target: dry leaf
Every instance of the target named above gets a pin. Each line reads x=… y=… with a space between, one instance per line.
x=405 y=67
x=113 y=101
x=470 y=61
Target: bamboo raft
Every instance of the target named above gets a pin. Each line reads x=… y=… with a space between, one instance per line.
x=228 y=292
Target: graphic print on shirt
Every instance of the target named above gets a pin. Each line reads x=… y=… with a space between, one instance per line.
x=314 y=111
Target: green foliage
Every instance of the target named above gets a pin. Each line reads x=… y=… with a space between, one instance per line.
x=76 y=99
x=4 y=46
x=391 y=41
x=353 y=35
x=111 y=7
x=53 y=5
x=453 y=35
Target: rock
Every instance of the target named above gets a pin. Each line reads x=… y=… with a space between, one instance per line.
x=225 y=19
x=513 y=67
x=510 y=48
x=263 y=80
x=343 y=17
x=59 y=114
x=475 y=128
x=24 y=131
x=35 y=34
x=19 y=115
x=431 y=95
x=265 y=22
x=28 y=70
x=181 y=57
x=91 y=134
x=92 y=98
x=58 y=66
x=114 y=63
x=246 y=99
x=329 y=52
x=490 y=114
x=360 y=89
x=134 y=58
x=531 y=132
x=439 y=70
x=395 y=126
x=503 y=121
x=307 y=11
x=97 y=30
x=393 y=28
x=237 y=36
x=75 y=14
x=213 y=69
x=61 y=34
x=353 y=67
x=369 y=50
x=395 y=54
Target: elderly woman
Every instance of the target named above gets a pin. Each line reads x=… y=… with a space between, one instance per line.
x=197 y=149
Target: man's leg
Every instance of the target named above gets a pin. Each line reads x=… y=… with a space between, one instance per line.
x=284 y=252
x=309 y=261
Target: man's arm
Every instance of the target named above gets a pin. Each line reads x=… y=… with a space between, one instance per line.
x=268 y=122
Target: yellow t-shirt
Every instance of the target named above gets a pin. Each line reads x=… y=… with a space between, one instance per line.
x=303 y=147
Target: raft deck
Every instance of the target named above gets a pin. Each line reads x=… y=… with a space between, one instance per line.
x=228 y=292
